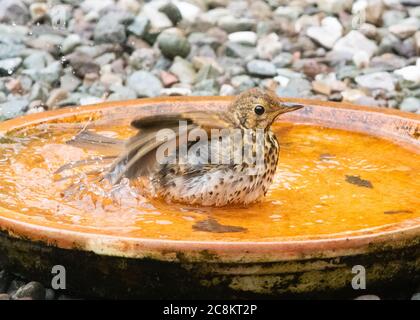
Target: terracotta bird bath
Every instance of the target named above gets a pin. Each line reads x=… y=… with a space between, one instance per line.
x=346 y=193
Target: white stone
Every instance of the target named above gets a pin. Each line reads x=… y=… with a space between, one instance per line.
x=245 y=37
x=189 y=11
x=269 y=46
x=410 y=73
x=326 y=34
x=376 y=80
x=406 y=28
x=353 y=43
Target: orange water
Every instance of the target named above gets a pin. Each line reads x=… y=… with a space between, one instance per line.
x=327 y=182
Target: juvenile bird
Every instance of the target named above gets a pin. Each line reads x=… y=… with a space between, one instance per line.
x=200 y=158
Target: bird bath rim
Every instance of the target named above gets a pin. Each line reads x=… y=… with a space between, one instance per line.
x=391 y=124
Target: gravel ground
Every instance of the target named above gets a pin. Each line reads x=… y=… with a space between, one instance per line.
x=60 y=53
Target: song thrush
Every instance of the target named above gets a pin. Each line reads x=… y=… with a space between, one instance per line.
x=207 y=173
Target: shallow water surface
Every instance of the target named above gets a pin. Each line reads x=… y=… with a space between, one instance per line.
x=328 y=183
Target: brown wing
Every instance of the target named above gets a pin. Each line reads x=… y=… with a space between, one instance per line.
x=139 y=157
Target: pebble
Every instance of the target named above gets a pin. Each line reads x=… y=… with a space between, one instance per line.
x=158 y=20
x=376 y=80
x=184 y=70
x=109 y=30
x=242 y=82
x=33 y=290
x=13 y=108
x=410 y=104
x=120 y=92
x=295 y=88
x=140 y=26
x=55 y=97
x=49 y=75
x=172 y=12
x=269 y=46
x=416 y=296
x=355 y=42
x=38 y=10
x=233 y=24
x=9 y=66
x=261 y=68
x=326 y=34
x=405 y=28
x=69 y=82
x=176 y=91
x=82 y=64
x=387 y=62
x=410 y=73
x=239 y=50
x=69 y=43
x=172 y=43
x=244 y=37
x=14 y=11
x=144 y=84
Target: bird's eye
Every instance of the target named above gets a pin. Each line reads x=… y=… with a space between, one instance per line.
x=259 y=109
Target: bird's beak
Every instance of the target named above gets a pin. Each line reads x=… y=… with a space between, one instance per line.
x=290 y=106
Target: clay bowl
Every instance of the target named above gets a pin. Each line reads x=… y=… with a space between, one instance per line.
x=117 y=265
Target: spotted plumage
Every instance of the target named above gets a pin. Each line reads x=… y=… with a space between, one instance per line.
x=194 y=177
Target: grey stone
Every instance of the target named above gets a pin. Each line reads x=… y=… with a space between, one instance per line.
x=261 y=68
x=49 y=74
x=8 y=50
x=13 y=108
x=239 y=50
x=242 y=82
x=109 y=30
x=416 y=296
x=37 y=60
x=143 y=59
x=184 y=70
x=173 y=43
x=140 y=26
x=208 y=87
x=387 y=62
x=14 y=11
x=9 y=66
x=232 y=24
x=410 y=104
x=144 y=84
x=326 y=34
x=69 y=82
x=13 y=34
x=172 y=12
x=120 y=92
x=207 y=72
x=33 y=290
x=69 y=43
x=38 y=92
x=391 y=17
x=295 y=88
x=82 y=64
x=376 y=80
x=355 y=42
x=282 y=60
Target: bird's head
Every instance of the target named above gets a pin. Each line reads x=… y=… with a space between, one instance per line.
x=257 y=108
